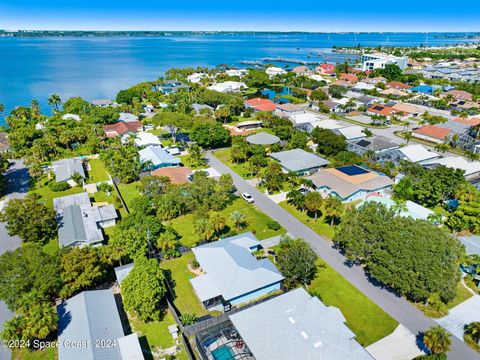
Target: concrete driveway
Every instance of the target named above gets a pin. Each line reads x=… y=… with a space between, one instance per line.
x=17 y=185
x=461 y=315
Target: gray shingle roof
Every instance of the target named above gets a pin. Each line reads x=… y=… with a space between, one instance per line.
x=263 y=138
x=71 y=229
x=298 y=160
x=296 y=325
x=89 y=316
x=65 y=168
x=231 y=269
x=121 y=272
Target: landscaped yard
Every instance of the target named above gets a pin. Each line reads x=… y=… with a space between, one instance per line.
x=320 y=226
x=97 y=172
x=156 y=332
x=129 y=192
x=224 y=156
x=24 y=354
x=48 y=195
x=368 y=321
x=185 y=299
x=256 y=222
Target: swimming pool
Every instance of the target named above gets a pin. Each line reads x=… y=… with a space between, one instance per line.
x=223 y=353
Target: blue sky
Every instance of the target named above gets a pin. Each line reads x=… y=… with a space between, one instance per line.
x=279 y=15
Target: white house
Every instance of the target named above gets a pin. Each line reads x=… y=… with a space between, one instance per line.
x=228 y=86
x=274 y=70
x=378 y=61
x=195 y=78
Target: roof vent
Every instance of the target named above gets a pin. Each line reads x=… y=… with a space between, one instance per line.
x=304 y=334
x=292 y=320
x=317 y=344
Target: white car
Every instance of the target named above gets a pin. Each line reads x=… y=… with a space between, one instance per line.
x=248 y=198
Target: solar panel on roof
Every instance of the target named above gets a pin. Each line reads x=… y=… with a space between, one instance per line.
x=363 y=143
x=352 y=170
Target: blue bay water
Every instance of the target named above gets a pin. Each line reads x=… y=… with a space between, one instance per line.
x=98 y=67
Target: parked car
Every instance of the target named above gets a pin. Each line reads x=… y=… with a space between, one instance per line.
x=247 y=197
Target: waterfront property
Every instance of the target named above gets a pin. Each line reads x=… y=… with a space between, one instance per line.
x=231 y=274
x=122 y=128
x=350 y=182
x=80 y=223
x=293 y=325
x=89 y=328
x=379 y=61
x=299 y=161
x=172 y=86
x=228 y=86
x=66 y=168
x=154 y=157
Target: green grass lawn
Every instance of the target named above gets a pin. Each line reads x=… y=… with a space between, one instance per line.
x=185 y=299
x=158 y=132
x=129 y=192
x=367 y=320
x=156 y=332
x=98 y=172
x=224 y=156
x=256 y=223
x=186 y=162
x=461 y=295
x=51 y=247
x=48 y=195
x=25 y=354
x=320 y=226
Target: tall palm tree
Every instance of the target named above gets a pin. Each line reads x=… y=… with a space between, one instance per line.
x=471 y=156
x=472 y=330
x=35 y=106
x=203 y=228
x=238 y=218
x=333 y=208
x=55 y=101
x=217 y=221
x=314 y=202
x=407 y=136
x=442 y=148
x=437 y=339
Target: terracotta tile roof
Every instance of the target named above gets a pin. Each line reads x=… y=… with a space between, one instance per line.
x=177 y=175
x=349 y=77
x=406 y=108
x=471 y=121
x=433 y=131
x=398 y=85
x=326 y=68
x=121 y=128
x=260 y=104
x=382 y=110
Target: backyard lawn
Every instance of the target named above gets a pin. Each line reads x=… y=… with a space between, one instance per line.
x=185 y=299
x=129 y=192
x=156 y=332
x=320 y=226
x=48 y=195
x=97 y=172
x=368 y=321
x=256 y=222
x=224 y=156
x=25 y=354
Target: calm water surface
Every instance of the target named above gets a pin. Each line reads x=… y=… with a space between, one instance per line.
x=97 y=67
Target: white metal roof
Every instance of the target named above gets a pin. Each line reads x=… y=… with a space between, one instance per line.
x=417 y=153
x=457 y=162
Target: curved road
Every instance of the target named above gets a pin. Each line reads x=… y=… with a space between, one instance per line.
x=16 y=187
x=397 y=307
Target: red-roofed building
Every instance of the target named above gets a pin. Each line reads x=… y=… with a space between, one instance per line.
x=459 y=95
x=378 y=109
x=471 y=121
x=121 y=128
x=326 y=69
x=398 y=85
x=259 y=104
x=431 y=133
x=349 y=77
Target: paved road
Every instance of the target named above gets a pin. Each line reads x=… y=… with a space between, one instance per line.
x=17 y=187
x=397 y=307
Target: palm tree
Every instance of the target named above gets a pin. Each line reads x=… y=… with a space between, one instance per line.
x=238 y=218
x=333 y=208
x=471 y=156
x=437 y=339
x=367 y=132
x=217 y=221
x=442 y=148
x=296 y=198
x=195 y=155
x=454 y=140
x=407 y=136
x=399 y=206
x=55 y=101
x=472 y=330
x=313 y=202
x=35 y=106
x=203 y=228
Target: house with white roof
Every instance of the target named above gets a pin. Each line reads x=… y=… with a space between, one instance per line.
x=72 y=117
x=274 y=70
x=236 y=72
x=300 y=119
x=231 y=273
x=195 y=78
x=412 y=209
x=414 y=153
x=328 y=124
x=156 y=157
x=89 y=328
x=351 y=132
x=144 y=139
x=228 y=86
x=471 y=168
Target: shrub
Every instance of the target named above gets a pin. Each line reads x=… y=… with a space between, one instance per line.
x=58 y=186
x=188 y=319
x=105 y=187
x=273 y=225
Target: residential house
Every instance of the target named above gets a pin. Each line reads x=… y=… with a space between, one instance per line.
x=471 y=168
x=65 y=168
x=4 y=143
x=459 y=95
x=412 y=209
x=171 y=86
x=328 y=124
x=144 y=139
x=104 y=103
x=394 y=92
x=432 y=133
x=71 y=117
x=260 y=105
x=398 y=85
x=249 y=125
x=274 y=70
x=367 y=100
x=379 y=146
x=89 y=328
x=375 y=80
x=414 y=153
x=287 y=110
x=199 y=107
x=350 y=183
x=236 y=72
x=80 y=223
x=326 y=69
x=231 y=274
x=382 y=110
x=351 y=133
x=263 y=139
x=177 y=175
x=471 y=243
x=121 y=272
x=362 y=86
x=349 y=78
x=299 y=161
x=122 y=128
x=301 y=119
x=295 y=325
x=154 y=157
x=228 y=86
x=195 y=78
x=379 y=61
x=333 y=106
x=407 y=109
x=127 y=117
x=301 y=70
x=425 y=89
